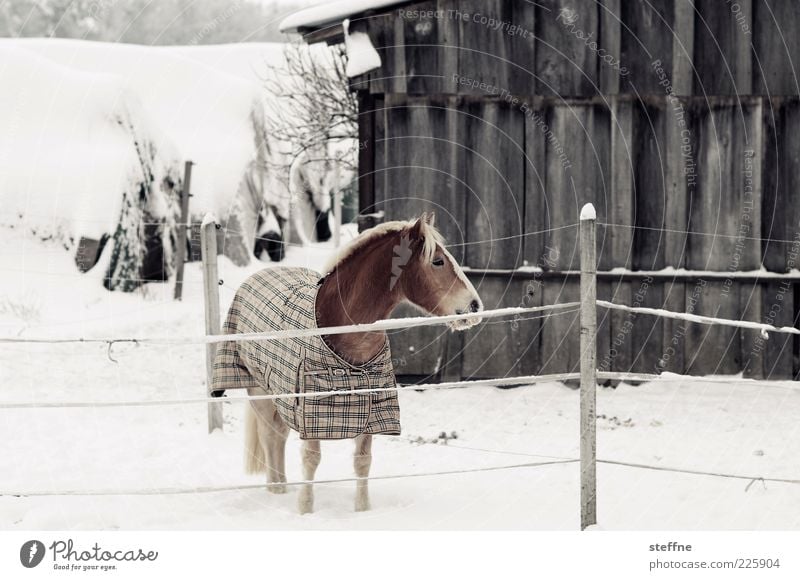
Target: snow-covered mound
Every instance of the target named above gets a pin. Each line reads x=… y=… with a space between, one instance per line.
x=214 y=114
x=213 y=104
x=79 y=156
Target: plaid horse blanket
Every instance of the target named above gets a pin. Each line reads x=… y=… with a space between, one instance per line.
x=282 y=299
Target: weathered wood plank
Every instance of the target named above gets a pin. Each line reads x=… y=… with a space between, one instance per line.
x=380 y=29
x=782 y=180
x=618 y=356
x=636 y=341
x=579 y=135
x=779 y=305
x=646 y=37
x=776 y=41
x=683 y=72
x=422 y=153
x=531 y=294
x=560 y=338
x=726 y=217
x=537 y=215
x=610 y=61
x=681 y=179
x=498 y=347
x=725 y=213
x=722 y=56
x=752 y=299
x=494 y=178
x=418 y=353
x=566 y=66
x=622 y=203
x=429 y=38
x=497 y=46
x=397 y=76
x=672 y=358
x=710 y=349
x=775 y=221
x=366 y=151
x=647 y=332
x=649 y=146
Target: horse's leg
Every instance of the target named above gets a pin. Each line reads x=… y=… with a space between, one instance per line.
x=311 y=455
x=273 y=433
x=362 y=460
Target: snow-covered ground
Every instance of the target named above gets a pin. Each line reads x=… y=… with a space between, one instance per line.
x=741 y=428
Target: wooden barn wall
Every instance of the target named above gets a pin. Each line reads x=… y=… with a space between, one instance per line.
x=705 y=47
x=681 y=131
x=702 y=180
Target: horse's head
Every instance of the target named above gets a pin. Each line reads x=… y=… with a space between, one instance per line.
x=317 y=175
x=429 y=276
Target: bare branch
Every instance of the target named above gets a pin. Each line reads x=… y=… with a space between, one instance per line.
x=316 y=105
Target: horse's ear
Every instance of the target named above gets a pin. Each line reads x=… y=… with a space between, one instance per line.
x=431 y=218
x=415 y=233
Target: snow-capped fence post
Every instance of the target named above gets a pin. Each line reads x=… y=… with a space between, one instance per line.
x=208 y=249
x=183 y=227
x=588 y=396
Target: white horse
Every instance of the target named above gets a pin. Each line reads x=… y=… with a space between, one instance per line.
x=296 y=207
x=314 y=178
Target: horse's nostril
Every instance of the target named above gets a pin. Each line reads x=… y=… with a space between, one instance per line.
x=474 y=306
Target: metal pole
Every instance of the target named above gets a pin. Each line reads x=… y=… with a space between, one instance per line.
x=588 y=404
x=180 y=251
x=208 y=248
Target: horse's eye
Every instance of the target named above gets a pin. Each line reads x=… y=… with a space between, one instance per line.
x=438 y=262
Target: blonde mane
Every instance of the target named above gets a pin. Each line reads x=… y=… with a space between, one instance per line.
x=429 y=232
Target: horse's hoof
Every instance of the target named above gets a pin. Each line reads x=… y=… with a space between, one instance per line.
x=305 y=503
x=362 y=505
x=279 y=489
x=305 y=508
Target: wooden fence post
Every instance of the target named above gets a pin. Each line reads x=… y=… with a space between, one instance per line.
x=208 y=248
x=180 y=251
x=588 y=366
x=337 y=217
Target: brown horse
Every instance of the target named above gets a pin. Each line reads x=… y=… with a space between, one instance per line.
x=390 y=264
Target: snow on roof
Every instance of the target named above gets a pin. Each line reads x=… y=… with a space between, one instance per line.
x=361 y=54
x=332 y=12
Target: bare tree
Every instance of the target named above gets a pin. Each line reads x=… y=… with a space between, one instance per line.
x=310 y=89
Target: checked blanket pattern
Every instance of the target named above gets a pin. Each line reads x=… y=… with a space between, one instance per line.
x=283 y=299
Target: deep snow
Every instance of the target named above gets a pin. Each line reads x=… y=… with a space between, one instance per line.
x=732 y=427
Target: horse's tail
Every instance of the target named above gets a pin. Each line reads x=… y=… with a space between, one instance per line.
x=254 y=458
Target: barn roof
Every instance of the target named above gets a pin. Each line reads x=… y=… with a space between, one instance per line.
x=326 y=19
